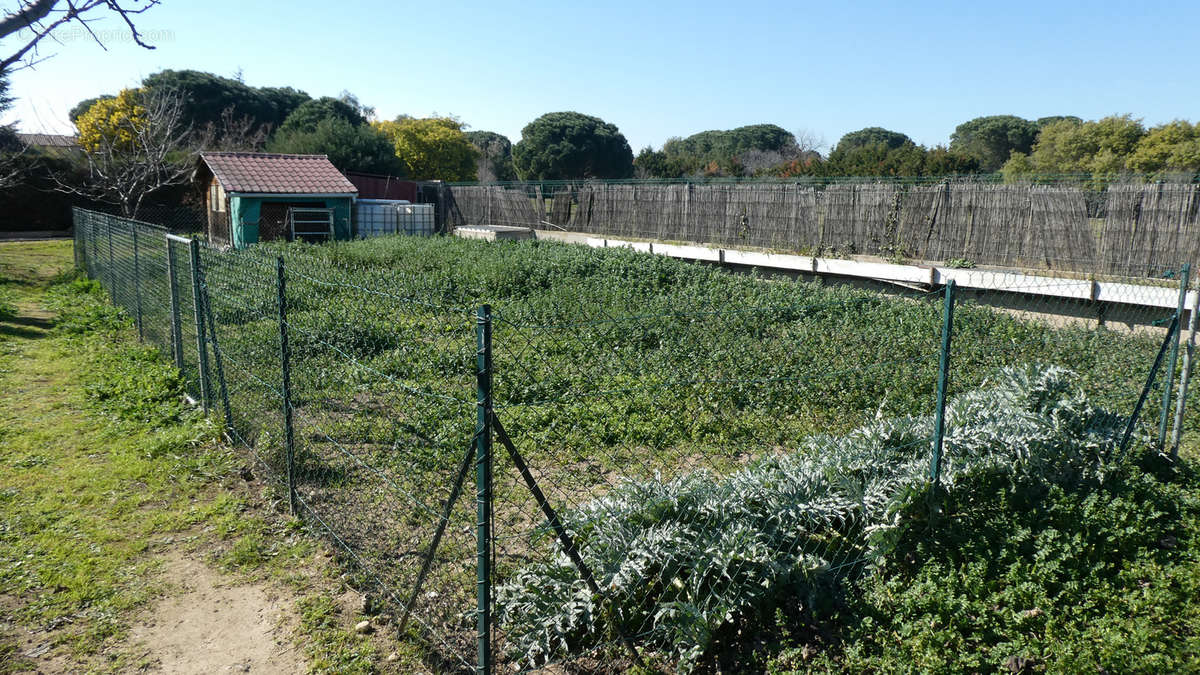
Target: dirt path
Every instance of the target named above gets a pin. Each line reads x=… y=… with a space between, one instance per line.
x=166 y=610
x=211 y=626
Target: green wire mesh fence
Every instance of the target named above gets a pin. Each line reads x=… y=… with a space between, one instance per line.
x=628 y=459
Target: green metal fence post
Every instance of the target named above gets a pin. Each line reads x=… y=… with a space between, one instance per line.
x=1189 y=348
x=483 y=486
x=1169 y=379
x=176 y=327
x=1158 y=359
x=77 y=237
x=198 y=312
x=939 y=421
x=217 y=360
x=112 y=287
x=89 y=245
x=285 y=358
x=137 y=285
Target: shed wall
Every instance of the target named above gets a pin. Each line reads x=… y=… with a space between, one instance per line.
x=246 y=212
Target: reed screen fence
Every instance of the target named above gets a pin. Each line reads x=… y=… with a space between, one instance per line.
x=1138 y=230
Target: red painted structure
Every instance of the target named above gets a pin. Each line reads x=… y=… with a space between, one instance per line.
x=377 y=186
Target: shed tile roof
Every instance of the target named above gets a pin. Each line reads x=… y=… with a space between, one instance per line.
x=276 y=173
x=49 y=140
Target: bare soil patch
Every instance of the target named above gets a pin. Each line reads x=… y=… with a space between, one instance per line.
x=216 y=625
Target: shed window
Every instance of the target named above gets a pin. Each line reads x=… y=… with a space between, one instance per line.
x=216 y=197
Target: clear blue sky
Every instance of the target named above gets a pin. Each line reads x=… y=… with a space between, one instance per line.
x=659 y=68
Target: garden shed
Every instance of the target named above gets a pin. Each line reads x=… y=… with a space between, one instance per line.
x=254 y=196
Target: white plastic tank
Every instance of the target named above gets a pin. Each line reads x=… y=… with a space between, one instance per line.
x=378 y=217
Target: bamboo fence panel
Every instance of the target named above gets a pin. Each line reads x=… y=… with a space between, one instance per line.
x=917 y=222
x=1147 y=229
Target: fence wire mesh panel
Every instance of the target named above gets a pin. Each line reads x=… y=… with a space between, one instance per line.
x=363 y=422
x=382 y=389
x=242 y=296
x=1109 y=332
x=695 y=460
x=187 y=284
x=536 y=455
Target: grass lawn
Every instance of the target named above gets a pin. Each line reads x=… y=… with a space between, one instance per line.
x=106 y=472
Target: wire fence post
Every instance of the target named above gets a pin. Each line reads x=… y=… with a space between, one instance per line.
x=1158 y=359
x=137 y=286
x=112 y=287
x=1169 y=378
x=217 y=360
x=939 y=420
x=285 y=357
x=483 y=486
x=1184 y=378
x=198 y=313
x=173 y=287
x=78 y=237
x=89 y=243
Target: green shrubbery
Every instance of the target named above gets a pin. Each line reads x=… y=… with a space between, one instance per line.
x=860 y=349
x=1098 y=576
x=131 y=382
x=680 y=561
x=612 y=365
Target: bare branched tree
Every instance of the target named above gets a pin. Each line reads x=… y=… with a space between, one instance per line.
x=155 y=151
x=15 y=162
x=807 y=146
x=809 y=142
x=232 y=133
x=33 y=20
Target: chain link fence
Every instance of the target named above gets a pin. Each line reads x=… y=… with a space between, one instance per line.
x=627 y=459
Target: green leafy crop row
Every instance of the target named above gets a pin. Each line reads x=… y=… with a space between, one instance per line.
x=680 y=560
x=622 y=378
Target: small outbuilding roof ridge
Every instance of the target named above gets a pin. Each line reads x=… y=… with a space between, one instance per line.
x=50 y=140
x=264 y=172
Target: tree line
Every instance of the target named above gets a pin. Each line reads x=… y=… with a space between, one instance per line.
x=228 y=114
x=144 y=140
x=570 y=145
x=1016 y=148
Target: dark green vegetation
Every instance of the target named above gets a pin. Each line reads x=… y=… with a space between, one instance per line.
x=106 y=471
x=338 y=129
x=1030 y=576
x=349 y=147
x=309 y=114
x=208 y=97
x=990 y=140
x=495 y=161
x=615 y=368
x=735 y=152
x=724 y=555
x=710 y=145
x=612 y=365
x=572 y=145
x=1049 y=148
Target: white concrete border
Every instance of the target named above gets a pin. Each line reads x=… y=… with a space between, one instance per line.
x=989 y=280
